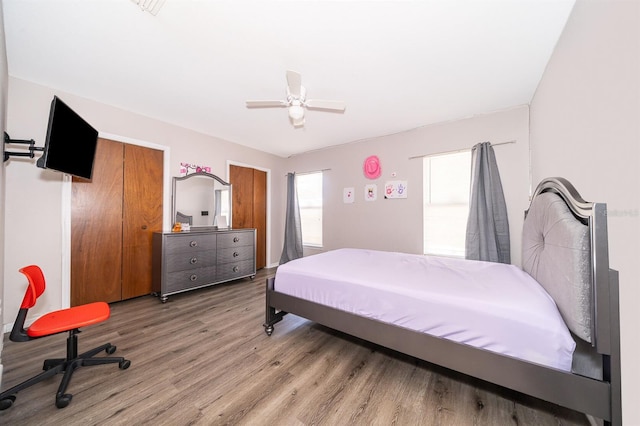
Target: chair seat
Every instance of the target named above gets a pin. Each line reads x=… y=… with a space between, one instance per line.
x=69 y=319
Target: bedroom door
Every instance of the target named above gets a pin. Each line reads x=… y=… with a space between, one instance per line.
x=250 y=206
x=113 y=217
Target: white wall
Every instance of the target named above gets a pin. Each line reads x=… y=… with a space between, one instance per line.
x=4 y=77
x=585 y=126
x=33 y=204
x=396 y=224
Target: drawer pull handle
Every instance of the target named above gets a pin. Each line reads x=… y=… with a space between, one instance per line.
x=193 y=260
x=193 y=277
x=236 y=239
x=236 y=269
x=236 y=254
x=193 y=244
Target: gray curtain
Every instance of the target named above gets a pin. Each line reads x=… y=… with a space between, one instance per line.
x=488 y=225
x=292 y=228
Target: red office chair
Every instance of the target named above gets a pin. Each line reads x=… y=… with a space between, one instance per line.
x=53 y=323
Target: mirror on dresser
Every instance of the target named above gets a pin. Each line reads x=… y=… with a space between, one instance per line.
x=202 y=200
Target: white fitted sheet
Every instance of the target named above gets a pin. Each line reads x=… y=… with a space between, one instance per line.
x=488 y=305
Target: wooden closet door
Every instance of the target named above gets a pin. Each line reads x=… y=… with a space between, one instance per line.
x=96 y=231
x=242 y=180
x=142 y=215
x=113 y=218
x=250 y=206
x=260 y=216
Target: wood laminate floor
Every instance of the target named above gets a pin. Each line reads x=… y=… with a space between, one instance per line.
x=203 y=358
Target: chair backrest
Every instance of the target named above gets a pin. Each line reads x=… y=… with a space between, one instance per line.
x=36 y=285
x=35 y=288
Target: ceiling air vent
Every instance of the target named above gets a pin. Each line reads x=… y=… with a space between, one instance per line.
x=151 y=6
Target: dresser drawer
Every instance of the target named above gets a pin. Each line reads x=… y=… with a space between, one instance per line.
x=189 y=260
x=182 y=280
x=232 y=270
x=190 y=243
x=235 y=239
x=234 y=254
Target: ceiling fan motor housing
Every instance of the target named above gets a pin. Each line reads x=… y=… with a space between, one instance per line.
x=296 y=111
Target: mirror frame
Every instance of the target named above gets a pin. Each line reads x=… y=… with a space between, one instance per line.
x=215 y=178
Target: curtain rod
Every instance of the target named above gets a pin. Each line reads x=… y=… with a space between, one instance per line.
x=458 y=150
x=311 y=171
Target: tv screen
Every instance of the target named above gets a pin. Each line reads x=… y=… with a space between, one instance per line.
x=70 y=146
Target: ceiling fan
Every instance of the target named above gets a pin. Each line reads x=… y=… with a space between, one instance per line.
x=297 y=101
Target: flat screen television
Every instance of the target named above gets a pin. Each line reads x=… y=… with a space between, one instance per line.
x=71 y=142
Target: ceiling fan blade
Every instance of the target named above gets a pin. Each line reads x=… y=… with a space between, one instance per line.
x=266 y=104
x=323 y=104
x=294 y=81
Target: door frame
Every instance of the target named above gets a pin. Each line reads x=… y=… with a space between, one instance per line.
x=230 y=163
x=66 y=208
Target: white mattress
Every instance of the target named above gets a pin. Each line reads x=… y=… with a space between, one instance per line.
x=488 y=305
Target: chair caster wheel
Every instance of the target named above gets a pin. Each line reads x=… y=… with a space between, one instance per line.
x=7 y=402
x=110 y=349
x=124 y=364
x=64 y=400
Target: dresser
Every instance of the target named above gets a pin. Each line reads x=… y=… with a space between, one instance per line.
x=188 y=260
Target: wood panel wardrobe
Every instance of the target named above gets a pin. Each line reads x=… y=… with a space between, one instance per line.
x=113 y=217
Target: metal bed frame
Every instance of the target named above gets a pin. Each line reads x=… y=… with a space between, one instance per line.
x=599 y=398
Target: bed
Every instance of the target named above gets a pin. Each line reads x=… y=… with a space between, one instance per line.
x=549 y=329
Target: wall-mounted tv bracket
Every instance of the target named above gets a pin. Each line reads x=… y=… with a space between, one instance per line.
x=30 y=142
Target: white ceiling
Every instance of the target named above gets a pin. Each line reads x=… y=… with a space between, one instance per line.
x=397 y=65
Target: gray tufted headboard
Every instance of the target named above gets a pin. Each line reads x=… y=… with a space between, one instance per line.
x=564 y=247
x=556 y=252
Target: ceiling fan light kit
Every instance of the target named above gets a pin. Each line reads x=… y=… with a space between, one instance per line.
x=296 y=112
x=297 y=101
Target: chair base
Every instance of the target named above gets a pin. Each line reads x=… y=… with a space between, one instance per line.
x=67 y=366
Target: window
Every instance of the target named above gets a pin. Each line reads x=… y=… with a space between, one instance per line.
x=446 y=203
x=309 y=187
